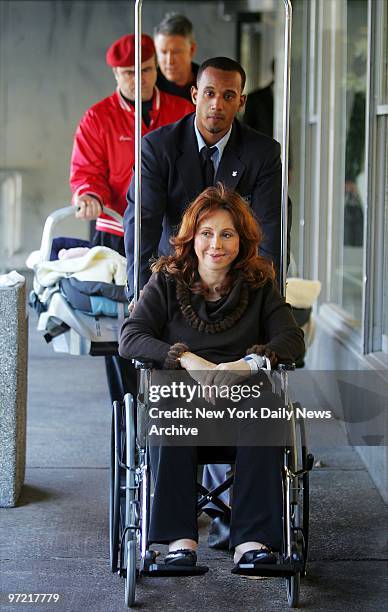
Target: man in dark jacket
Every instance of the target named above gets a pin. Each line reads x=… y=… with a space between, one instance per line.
x=174 y=170
x=180 y=160
x=259 y=107
x=259 y=111
x=104 y=153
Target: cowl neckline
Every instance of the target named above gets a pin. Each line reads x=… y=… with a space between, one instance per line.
x=213 y=317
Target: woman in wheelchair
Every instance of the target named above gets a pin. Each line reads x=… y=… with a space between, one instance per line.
x=211 y=308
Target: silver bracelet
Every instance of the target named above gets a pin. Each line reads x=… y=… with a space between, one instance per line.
x=258 y=359
x=252 y=364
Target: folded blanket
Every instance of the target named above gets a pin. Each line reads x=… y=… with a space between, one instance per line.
x=98 y=264
x=301 y=293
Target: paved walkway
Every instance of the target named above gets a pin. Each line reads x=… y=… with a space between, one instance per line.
x=56 y=540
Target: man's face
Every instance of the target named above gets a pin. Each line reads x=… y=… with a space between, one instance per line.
x=218 y=99
x=125 y=77
x=174 y=57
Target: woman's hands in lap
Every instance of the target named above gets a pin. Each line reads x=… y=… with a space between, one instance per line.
x=196 y=366
x=207 y=373
x=230 y=373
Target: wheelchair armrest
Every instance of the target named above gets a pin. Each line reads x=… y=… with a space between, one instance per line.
x=288 y=367
x=143 y=365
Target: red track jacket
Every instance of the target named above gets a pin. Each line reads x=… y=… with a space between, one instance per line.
x=103 y=152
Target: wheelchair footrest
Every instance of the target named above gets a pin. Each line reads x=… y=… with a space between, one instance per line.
x=162 y=569
x=276 y=570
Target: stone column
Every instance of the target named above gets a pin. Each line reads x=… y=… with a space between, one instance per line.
x=13 y=392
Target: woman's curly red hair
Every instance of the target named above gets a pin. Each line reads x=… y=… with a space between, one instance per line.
x=183 y=264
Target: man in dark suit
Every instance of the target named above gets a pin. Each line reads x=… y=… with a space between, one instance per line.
x=180 y=160
x=173 y=169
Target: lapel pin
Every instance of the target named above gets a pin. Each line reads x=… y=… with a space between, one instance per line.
x=234 y=173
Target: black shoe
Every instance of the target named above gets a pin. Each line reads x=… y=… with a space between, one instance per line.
x=219 y=533
x=184 y=556
x=252 y=558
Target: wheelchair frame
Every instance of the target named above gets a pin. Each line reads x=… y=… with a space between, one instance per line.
x=130 y=555
x=130 y=481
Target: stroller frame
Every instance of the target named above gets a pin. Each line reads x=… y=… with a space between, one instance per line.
x=69 y=330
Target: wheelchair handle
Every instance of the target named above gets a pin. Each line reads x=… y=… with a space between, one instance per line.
x=56 y=217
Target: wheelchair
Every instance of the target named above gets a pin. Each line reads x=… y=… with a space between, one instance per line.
x=130 y=494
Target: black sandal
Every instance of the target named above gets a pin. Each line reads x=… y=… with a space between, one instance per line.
x=184 y=556
x=261 y=556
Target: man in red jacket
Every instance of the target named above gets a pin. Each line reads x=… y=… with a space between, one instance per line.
x=103 y=152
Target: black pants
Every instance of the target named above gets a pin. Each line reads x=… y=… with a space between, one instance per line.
x=108 y=240
x=257 y=495
x=121 y=377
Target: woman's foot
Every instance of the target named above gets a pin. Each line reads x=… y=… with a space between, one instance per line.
x=245 y=547
x=182 y=552
x=183 y=543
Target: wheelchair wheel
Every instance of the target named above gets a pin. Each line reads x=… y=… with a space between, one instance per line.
x=130 y=577
x=303 y=515
x=131 y=519
x=293 y=589
x=114 y=496
x=293 y=514
x=305 y=512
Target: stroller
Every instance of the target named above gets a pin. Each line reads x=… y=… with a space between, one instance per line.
x=81 y=300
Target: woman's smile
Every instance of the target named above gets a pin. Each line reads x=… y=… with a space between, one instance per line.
x=216 y=243
x=215 y=256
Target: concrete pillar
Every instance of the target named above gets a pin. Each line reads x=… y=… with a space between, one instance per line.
x=13 y=392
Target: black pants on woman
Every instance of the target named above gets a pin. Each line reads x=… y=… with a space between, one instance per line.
x=257 y=494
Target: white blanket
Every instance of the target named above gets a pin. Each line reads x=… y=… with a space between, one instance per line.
x=301 y=293
x=98 y=264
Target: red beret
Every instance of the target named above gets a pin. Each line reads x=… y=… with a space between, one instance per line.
x=122 y=52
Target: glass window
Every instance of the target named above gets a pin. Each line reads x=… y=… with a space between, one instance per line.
x=385 y=277
x=349 y=203
x=383 y=61
x=384 y=57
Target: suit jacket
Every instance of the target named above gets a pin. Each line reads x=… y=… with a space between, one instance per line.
x=259 y=110
x=258 y=114
x=172 y=178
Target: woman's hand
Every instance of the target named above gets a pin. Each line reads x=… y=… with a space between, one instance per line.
x=229 y=373
x=198 y=368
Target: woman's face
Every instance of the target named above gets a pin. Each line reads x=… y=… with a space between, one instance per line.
x=216 y=242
